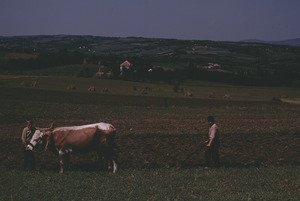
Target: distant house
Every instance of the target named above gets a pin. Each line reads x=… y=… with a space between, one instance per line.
x=125 y=65
x=213 y=65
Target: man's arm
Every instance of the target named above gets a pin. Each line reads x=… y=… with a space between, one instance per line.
x=209 y=142
x=24 y=136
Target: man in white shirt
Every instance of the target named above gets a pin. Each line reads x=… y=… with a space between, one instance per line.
x=212 y=144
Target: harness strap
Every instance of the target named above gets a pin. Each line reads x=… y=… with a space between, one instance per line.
x=38 y=140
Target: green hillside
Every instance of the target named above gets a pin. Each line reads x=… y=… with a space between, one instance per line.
x=171 y=60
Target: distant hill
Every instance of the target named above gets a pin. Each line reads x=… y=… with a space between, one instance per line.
x=290 y=42
x=249 y=62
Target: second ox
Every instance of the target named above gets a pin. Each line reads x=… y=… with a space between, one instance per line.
x=98 y=137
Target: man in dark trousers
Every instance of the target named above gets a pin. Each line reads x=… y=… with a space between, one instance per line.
x=27 y=134
x=212 y=144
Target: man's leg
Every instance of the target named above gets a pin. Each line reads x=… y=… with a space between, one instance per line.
x=207 y=158
x=25 y=164
x=31 y=159
x=215 y=156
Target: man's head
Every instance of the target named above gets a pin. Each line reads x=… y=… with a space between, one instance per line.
x=29 y=123
x=211 y=120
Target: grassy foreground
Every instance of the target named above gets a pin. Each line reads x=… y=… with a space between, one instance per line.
x=250 y=111
x=271 y=183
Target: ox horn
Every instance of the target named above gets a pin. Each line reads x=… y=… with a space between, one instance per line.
x=51 y=126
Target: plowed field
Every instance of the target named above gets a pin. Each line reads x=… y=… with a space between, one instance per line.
x=155 y=143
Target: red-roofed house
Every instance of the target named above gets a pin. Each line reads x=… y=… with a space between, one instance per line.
x=125 y=65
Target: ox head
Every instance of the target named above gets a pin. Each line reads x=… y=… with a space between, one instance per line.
x=39 y=137
x=36 y=139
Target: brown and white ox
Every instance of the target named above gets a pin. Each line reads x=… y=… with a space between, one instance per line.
x=98 y=137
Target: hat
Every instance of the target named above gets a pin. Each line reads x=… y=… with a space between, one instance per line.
x=29 y=122
x=210 y=118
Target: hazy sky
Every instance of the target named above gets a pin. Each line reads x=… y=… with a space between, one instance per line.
x=227 y=20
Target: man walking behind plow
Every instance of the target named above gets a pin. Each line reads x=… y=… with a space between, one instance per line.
x=212 y=144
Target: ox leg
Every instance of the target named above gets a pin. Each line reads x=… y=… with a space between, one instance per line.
x=62 y=156
x=111 y=165
x=111 y=162
x=114 y=166
x=106 y=159
x=113 y=157
x=101 y=161
x=66 y=161
x=61 y=162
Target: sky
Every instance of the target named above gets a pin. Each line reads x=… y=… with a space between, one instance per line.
x=218 y=20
